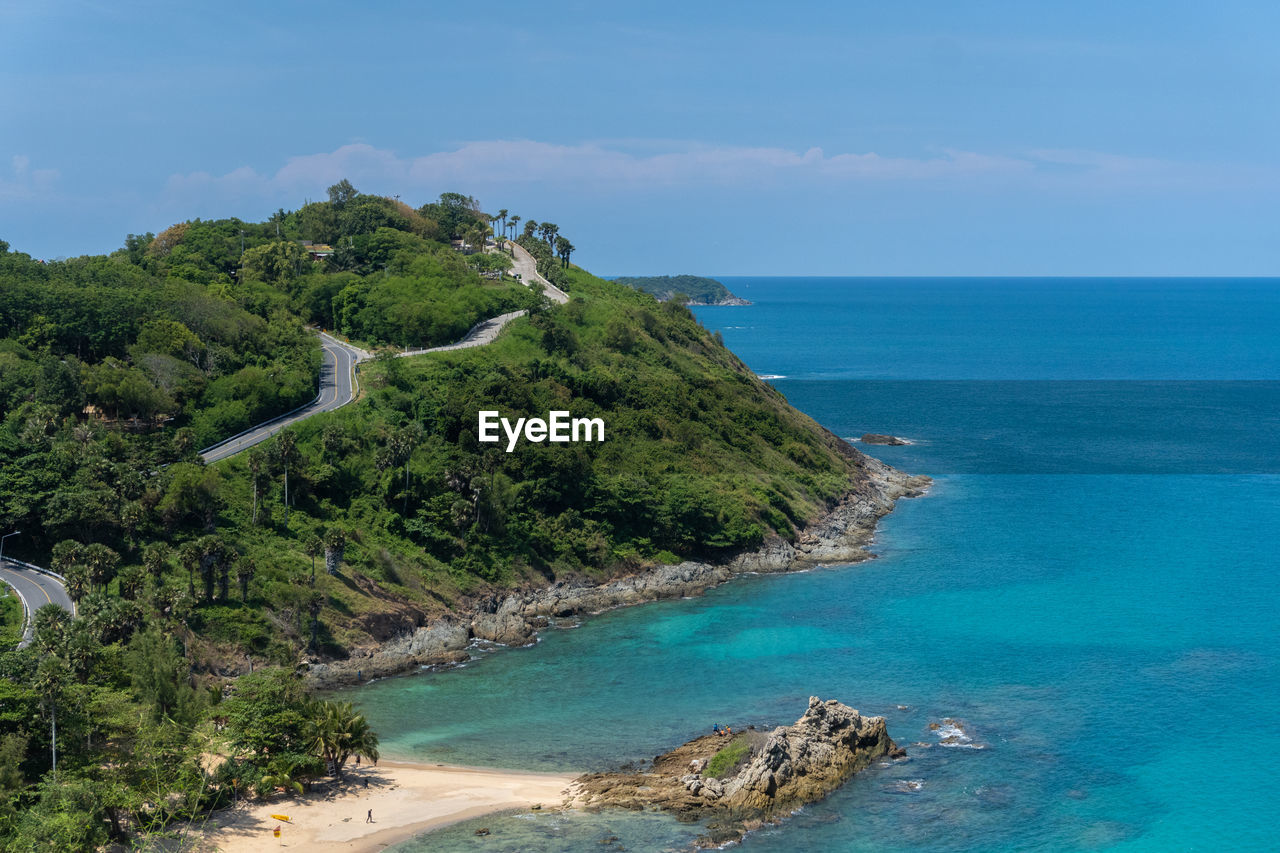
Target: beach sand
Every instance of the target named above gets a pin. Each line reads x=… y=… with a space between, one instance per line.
x=407 y=799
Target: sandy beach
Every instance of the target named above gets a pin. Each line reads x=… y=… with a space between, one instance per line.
x=406 y=799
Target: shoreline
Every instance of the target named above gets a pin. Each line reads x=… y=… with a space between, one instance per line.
x=407 y=799
x=513 y=619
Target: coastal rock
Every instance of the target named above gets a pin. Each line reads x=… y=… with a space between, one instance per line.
x=509 y=629
x=783 y=770
x=878 y=438
x=841 y=535
x=806 y=761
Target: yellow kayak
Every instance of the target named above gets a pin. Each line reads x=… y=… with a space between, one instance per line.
x=283 y=817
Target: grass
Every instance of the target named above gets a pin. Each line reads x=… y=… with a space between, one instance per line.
x=727 y=758
x=10 y=618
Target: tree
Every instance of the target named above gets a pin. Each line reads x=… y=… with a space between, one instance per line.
x=52 y=677
x=515 y=220
x=564 y=249
x=50 y=625
x=315 y=602
x=257 y=462
x=159 y=676
x=246 y=568
x=549 y=231
x=335 y=732
x=132 y=579
x=530 y=227
x=189 y=555
x=68 y=560
x=192 y=494
x=401 y=445
x=335 y=545
x=275 y=263
x=155 y=557
x=502 y=215
x=314 y=547
x=286 y=453
x=102 y=562
x=341 y=193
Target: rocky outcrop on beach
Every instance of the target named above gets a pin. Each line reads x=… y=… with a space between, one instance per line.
x=841 y=535
x=779 y=771
x=878 y=438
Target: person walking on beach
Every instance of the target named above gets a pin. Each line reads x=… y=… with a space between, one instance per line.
x=369 y=817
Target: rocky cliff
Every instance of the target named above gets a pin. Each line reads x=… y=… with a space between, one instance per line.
x=777 y=772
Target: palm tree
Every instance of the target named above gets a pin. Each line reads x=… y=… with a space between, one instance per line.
x=52 y=677
x=189 y=556
x=502 y=215
x=155 y=556
x=257 y=461
x=286 y=453
x=314 y=548
x=530 y=227
x=102 y=563
x=245 y=570
x=335 y=546
x=68 y=560
x=400 y=447
x=132 y=579
x=564 y=249
x=226 y=559
x=515 y=220
x=49 y=627
x=315 y=602
x=336 y=732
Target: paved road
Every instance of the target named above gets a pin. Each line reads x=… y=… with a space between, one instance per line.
x=337 y=388
x=35 y=590
x=524 y=264
x=481 y=333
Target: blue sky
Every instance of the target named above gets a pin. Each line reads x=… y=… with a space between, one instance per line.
x=922 y=138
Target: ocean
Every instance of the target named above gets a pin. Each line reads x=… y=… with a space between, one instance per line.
x=1089 y=586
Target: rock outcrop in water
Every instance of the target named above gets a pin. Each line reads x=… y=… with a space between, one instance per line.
x=878 y=438
x=777 y=771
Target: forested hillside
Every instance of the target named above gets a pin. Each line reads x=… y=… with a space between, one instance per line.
x=115 y=370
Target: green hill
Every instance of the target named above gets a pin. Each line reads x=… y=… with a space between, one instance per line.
x=695 y=289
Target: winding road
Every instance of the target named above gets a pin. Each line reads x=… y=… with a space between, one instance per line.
x=36 y=590
x=337 y=388
x=337 y=375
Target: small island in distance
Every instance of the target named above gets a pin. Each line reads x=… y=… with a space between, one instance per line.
x=698 y=289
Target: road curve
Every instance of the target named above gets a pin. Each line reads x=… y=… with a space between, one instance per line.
x=36 y=590
x=337 y=388
x=481 y=333
x=524 y=263
x=337 y=382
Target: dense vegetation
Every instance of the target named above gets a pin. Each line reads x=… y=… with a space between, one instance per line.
x=692 y=289
x=351 y=526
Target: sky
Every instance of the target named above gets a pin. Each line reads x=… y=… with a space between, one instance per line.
x=934 y=137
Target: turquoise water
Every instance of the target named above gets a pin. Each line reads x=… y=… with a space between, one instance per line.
x=1089 y=585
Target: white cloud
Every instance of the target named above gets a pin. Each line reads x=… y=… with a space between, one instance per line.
x=23 y=182
x=617 y=166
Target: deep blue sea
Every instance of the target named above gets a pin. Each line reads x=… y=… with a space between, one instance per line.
x=1090 y=585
